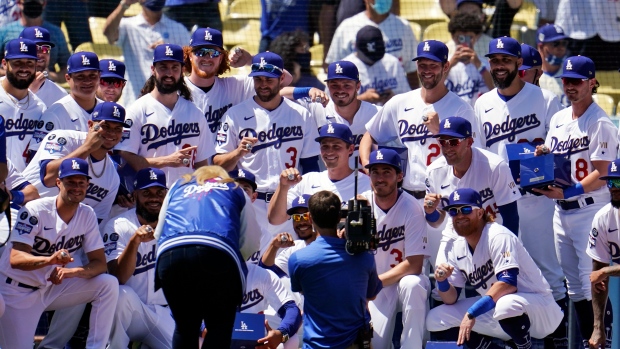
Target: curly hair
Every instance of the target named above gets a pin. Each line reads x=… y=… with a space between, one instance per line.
x=149 y=86
x=187 y=58
x=284 y=45
x=465 y=22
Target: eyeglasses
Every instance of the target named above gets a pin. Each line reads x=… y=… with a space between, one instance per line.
x=452 y=142
x=300 y=216
x=116 y=83
x=573 y=81
x=211 y=52
x=44 y=48
x=613 y=183
x=559 y=43
x=465 y=210
x=269 y=68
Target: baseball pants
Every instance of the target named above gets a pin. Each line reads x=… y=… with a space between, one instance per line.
x=64 y=324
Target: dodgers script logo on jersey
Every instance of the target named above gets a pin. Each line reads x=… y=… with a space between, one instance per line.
x=21 y=126
x=390 y=236
x=413 y=132
x=43 y=247
x=95 y=192
x=380 y=85
x=274 y=136
x=197 y=190
x=251 y=298
x=469 y=88
x=510 y=128
x=213 y=116
x=479 y=277
x=570 y=145
x=173 y=133
x=145 y=262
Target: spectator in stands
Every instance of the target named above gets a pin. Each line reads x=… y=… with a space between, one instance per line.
x=112 y=80
x=531 y=69
x=75 y=16
x=9 y=12
x=293 y=48
x=473 y=8
x=32 y=11
x=548 y=10
x=130 y=33
x=594 y=29
x=397 y=34
x=469 y=75
x=381 y=75
x=505 y=10
x=202 y=13
x=552 y=45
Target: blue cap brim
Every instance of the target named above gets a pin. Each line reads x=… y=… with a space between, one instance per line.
x=20 y=56
x=82 y=69
x=524 y=67
x=168 y=60
x=572 y=75
x=383 y=163
x=264 y=73
x=557 y=38
x=292 y=209
x=340 y=77
x=428 y=56
x=105 y=74
x=502 y=53
x=74 y=174
x=154 y=184
x=318 y=139
x=450 y=134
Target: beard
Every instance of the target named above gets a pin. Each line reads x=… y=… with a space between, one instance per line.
x=272 y=94
x=614 y=203
x=20 y=84
x=144 y=212
x=166 y=88
x=507 y=81
x=202 y=74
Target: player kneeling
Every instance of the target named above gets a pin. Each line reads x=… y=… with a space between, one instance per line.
x=490 y=258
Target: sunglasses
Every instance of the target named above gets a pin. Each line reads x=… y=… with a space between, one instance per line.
x=453 y=142
x=465 y=210
x=269 y=68
x=613 y=183
x=300 y=216
x=44 y=48
x=573 y=81
x=116 y=83
x=211 y=52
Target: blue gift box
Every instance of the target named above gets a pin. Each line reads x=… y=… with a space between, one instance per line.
x=516 y=153
x=442 y=345
x=545 y=170
x=248 y=329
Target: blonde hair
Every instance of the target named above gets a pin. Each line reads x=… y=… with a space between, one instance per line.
x=205 y=173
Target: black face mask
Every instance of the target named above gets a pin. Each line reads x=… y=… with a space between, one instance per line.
x=304 y=61
x=33 y=9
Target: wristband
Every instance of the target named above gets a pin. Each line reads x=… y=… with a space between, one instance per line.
x=443 y=286
x=301 y=92
x=433 y=217
x=18 y=197
x=574 y=190
x=481 y=306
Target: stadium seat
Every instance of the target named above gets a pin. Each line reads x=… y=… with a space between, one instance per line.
x=133 y=10
x=242 y=32
x=606 y=102
x=316 y=52
x=102 y=50
x=437 y=31
x=96 y=29
x=423 y=12
x=610 y=83
x=528 y=15
x=417 y=30
x=245 y=9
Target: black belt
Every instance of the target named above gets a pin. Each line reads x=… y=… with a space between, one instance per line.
x=571 y=205
x=19 y=284
x=265 y=196
x=418 y=194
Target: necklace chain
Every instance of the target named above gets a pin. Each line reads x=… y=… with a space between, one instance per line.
x=105 y=163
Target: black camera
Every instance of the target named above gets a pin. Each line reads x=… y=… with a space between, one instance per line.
x=360 y=226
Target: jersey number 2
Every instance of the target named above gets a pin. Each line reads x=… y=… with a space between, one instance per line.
x=434 y=152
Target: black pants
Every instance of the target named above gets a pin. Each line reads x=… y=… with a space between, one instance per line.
x=200 y=283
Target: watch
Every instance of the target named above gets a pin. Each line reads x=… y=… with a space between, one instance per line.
x=471 y=317
x=284 y=336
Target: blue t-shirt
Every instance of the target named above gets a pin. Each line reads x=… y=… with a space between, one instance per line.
x=336 y=286
x=59 y=54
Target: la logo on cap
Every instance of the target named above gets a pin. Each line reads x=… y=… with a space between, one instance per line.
x=457 y=197
x=168 y=51
x=379 y=155
x=614 y=168
x=569 y=65
x=75 y=165
x=262 y=62
x=330 y=128
x=338 y=68
x=370 y=47
x=111 y=66
x=208 y=36
x=116 y=113
x=85 y=60
x=558 y=29
x=500 y=44
x=241 y=173
x=153 y=175
x=541 y=37
x=447 y=124
x=426 y=47
x=37 y=33
x=23 y=47
x=301 y=200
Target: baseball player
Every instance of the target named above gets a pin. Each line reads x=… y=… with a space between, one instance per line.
x=246 y=181
x=20 y=108
x=516 y=112
x=584 y=135
x=47 y=90
x=167 y=131
x=515 y=300
x=411 y=118
x=531 y=68
x=602 y=248
x=48 y=233
x=72 y=112
x=400 y=254
x=552 y=44
x=343 y=82
x=112 y=80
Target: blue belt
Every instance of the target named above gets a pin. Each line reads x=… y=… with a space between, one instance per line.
x=571 y=205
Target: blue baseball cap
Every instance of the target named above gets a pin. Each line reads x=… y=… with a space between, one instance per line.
x=207 y=37
x=464 y=197
x=300 y=201
x=81 y=61
x=342 y=70
x=243 y=175
x=580 y=67
x=150 y=177
x=109 y=111
x=168 y=52
x=433 y=50
x=385 y=156
x=613 y=170
x=39 y=35
x=477 y=2
x=531 y=57
x=20 y=48
x=334 y=130
x=550 y=33
x=454 y=126
x=111 y=68
x=73 y=167
x=263 y=64
x=504 y=45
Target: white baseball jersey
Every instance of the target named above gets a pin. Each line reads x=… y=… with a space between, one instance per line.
x=325 y=115
x=263 y=288
x=65 y=114
x=497 y=250
x=524 y=118
x=103 y=185
x=582 y=19
x=285 y=135
x=553 y=84
x=591 y=137
x=284 y=255
x=158 y=131
x=604 y=241
x=50 y=92
x=401 y=120
x=386 y=74
x=116 y=235
x=488 y=174
x=14 y=180
x=314 y=182
x=20 y=122
x=40 y=226
x=466 y=81
x=224 y=93
x=397 y=35
x=399 y=231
